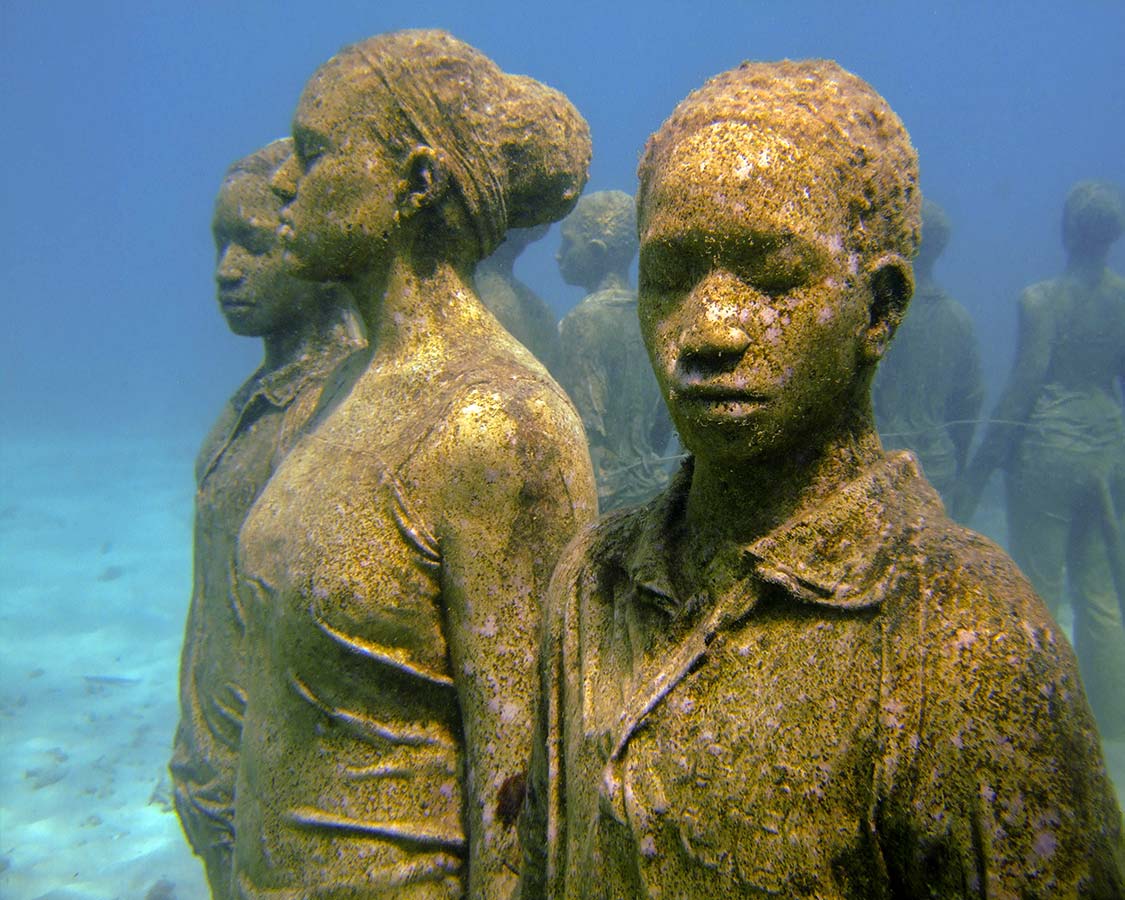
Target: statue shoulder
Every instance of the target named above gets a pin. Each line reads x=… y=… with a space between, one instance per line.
x=983 y=617
x=1043 y=296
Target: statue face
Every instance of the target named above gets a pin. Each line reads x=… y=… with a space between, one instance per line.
x=751 y=308
x=579 y=264
x=344 y=182
x=257 y=295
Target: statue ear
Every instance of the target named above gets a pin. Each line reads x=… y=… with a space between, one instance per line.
x=891 y=280
x=599 y=252
x=426 y=180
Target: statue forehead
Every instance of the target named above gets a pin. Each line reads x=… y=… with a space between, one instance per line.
x=247 y=198
x=728 y=168
x=734 y=152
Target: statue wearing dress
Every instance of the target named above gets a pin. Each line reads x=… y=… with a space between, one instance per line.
x=393 y=570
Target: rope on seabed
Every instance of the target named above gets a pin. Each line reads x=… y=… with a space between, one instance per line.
x=942 y=426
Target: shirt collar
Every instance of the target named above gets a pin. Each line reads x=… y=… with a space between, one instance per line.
x=281 y=386
x=840 y=554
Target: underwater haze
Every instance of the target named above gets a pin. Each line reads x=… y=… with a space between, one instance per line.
x=122 y=118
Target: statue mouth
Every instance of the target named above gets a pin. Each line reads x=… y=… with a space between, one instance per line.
x=719 y=399
x=234 y=302
x=717 y=391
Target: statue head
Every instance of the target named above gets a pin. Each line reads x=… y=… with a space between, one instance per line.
x=416 y=133
x=257 y=294
x=935 y=235
x=1093 y=218
x=778 y=211
x=598 y=238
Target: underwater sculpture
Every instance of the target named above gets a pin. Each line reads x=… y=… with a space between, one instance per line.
x=521 y=311
x=393 y=569
x=790 y=674
x=604 y=367
x=307 y=328
x=928 y=389
x=1059 y=435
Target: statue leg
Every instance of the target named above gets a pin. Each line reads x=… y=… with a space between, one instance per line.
x=1099 y=633
x=1039 y=511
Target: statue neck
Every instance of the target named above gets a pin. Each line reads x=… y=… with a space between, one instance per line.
x=924 y=270
x=337 y=325
x=410 y=304
x=614 y=281
x=1087 y=266
x=742 y=502
x=924 y=285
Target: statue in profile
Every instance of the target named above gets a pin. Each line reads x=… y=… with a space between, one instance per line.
x=393 y=570
x=521 y=311
x=1058 y=433
x=928 y=390
x=306 y=327
x=790 y=674
x=604 y=365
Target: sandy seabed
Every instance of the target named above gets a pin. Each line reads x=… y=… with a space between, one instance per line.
x=95 y=563
x=95 y=567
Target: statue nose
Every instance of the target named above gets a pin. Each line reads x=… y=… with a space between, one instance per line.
x=714 y=340
x=229 y=271
x=719 y=351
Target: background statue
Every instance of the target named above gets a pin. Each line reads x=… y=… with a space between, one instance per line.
x=604 y=365
x=928 y=391
x=525 y=314
x=790 y=673
x=393 y=569
x=306 y=327
x=1058 y=433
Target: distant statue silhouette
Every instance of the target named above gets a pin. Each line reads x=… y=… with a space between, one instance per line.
x=1059 y=435
x=928 y=390
x=393 y=570
x=307 y=328
x=521 y=311
x=604 y=366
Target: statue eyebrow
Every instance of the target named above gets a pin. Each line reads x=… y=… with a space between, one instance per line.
x=740 y=248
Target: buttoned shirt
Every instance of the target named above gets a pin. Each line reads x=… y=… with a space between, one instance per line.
x=257 y=427
x=868 y=701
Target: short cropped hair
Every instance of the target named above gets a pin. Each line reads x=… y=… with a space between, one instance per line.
x=834 y=117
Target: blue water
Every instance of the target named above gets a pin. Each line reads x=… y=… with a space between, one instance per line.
x=119 y=120
x=122 y=116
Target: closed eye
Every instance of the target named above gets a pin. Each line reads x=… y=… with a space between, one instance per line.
x=665 y=270
x=308 y=146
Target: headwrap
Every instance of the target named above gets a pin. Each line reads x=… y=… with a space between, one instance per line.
x=461 y=135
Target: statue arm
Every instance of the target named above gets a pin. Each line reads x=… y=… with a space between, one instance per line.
x=542 y=824
x=1004 y=431
x=517 y=485
x=967 y=396
x=1120 y=379
x=585 y=377
x=1007 y=786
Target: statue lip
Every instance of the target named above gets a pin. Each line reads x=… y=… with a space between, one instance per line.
x=234 y=303
x=719 y=400
x=716 y=392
